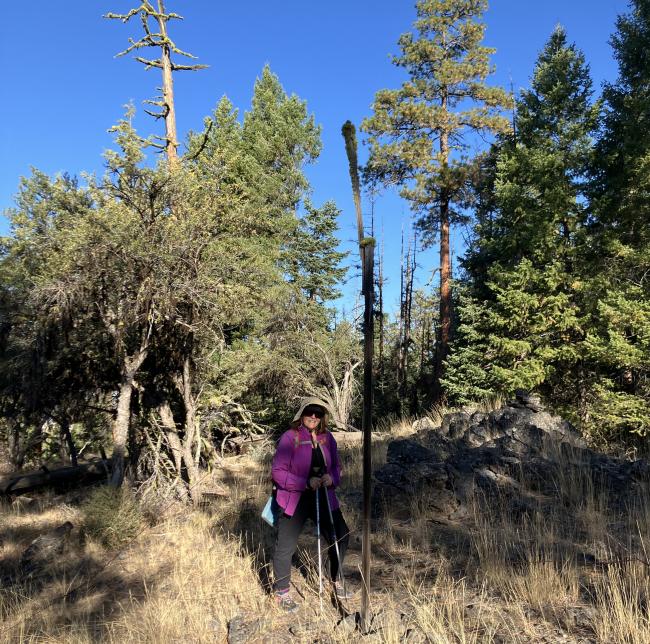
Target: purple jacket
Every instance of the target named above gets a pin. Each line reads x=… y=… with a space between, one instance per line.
x=292 y=462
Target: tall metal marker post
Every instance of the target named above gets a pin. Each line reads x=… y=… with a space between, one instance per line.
x=366 y=253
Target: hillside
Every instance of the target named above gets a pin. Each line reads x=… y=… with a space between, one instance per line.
x=539 y=539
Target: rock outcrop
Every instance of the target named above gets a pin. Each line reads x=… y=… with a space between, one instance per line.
x=519 y=451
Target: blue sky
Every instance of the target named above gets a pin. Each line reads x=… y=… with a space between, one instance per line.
x=64 y=88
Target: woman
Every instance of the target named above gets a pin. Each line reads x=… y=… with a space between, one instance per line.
x=305 y=464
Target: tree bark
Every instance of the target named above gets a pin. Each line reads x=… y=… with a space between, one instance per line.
x=380 y=316
x=368 y=346
x=168 y=91
x=121 y=431
x=122 y=421
x=171 y=433
x=402 y=319
x=66 y=435
x=366 y=252
x=16 y=451
x=63 y=476
x=445 y=273
x=184 y=385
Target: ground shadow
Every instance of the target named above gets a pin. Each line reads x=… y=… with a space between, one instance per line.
x=65 y=587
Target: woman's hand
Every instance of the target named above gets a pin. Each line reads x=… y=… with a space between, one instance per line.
x=315 y=482
x=326 y=480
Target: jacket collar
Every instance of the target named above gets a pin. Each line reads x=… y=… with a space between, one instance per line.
x=305 y=434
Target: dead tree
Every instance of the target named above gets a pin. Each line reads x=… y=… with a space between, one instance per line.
x=366 y=252
x=380 y=311
x=159 y=39
x=407 y=274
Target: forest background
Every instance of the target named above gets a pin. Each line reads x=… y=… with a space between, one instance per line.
x=165 y=308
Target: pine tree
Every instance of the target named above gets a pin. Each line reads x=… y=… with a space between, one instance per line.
x=417 y=132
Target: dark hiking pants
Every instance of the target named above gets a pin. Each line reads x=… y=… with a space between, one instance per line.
x=289 y=529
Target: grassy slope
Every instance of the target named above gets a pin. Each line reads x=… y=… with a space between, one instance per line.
x=190 y=575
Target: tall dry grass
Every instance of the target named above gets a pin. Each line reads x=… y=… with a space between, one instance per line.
x=574 y=567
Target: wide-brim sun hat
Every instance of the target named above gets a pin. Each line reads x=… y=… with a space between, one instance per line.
x=312 y=400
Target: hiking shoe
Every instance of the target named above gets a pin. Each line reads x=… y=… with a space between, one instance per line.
x=341 y=591
x=285 y=602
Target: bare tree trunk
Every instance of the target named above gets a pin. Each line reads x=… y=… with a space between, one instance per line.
x=380 y=305
x=122 y=421
x=174 y=441
x=368 y=346
x=168 y=90
x=36 y=443
x=445 y=273
x=406 y=299
x=445 y=300
x=121 y=430
x=184 y=385
x=66 y=437
x=16 y=451
x=407 y=318
x=400 y=346
x=171 y=433
x=366 y=253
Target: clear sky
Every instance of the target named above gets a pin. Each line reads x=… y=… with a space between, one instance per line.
x=64 y=88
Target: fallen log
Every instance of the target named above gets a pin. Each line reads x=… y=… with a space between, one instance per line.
x=69 y=476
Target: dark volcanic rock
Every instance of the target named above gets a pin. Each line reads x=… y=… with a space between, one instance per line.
x=493 y=453
x=411 y=467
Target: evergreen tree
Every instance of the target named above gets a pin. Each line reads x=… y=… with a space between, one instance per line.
x=174 y=266
x=526 y=258
x=279 y=137
x=417 y=132
x=51 y=366
x=619 y=339
x=467 y=378
x=312 y=259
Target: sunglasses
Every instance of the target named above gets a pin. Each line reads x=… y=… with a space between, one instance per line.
x=319 y=412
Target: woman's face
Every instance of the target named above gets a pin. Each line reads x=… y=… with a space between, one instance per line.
x=311 y=417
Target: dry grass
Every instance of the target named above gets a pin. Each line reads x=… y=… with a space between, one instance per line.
x=497 y=576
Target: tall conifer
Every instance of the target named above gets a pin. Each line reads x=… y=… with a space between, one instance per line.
x=418 y=133
x=525 y=258
x=619 y=340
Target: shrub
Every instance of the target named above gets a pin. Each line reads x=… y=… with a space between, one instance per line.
x=112 y=516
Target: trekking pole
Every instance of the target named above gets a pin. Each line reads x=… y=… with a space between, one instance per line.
x=320 y=562
x=336 y=541
x=336 y=537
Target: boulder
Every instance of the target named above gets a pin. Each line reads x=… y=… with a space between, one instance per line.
x=492 y=453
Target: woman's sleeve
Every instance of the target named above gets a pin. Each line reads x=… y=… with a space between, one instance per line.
x=336 y=464
x=281 y=472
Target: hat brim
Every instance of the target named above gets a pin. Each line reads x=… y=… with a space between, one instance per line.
x=312 y=400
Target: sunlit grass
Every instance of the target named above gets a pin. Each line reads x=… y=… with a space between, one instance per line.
x=496 y=576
